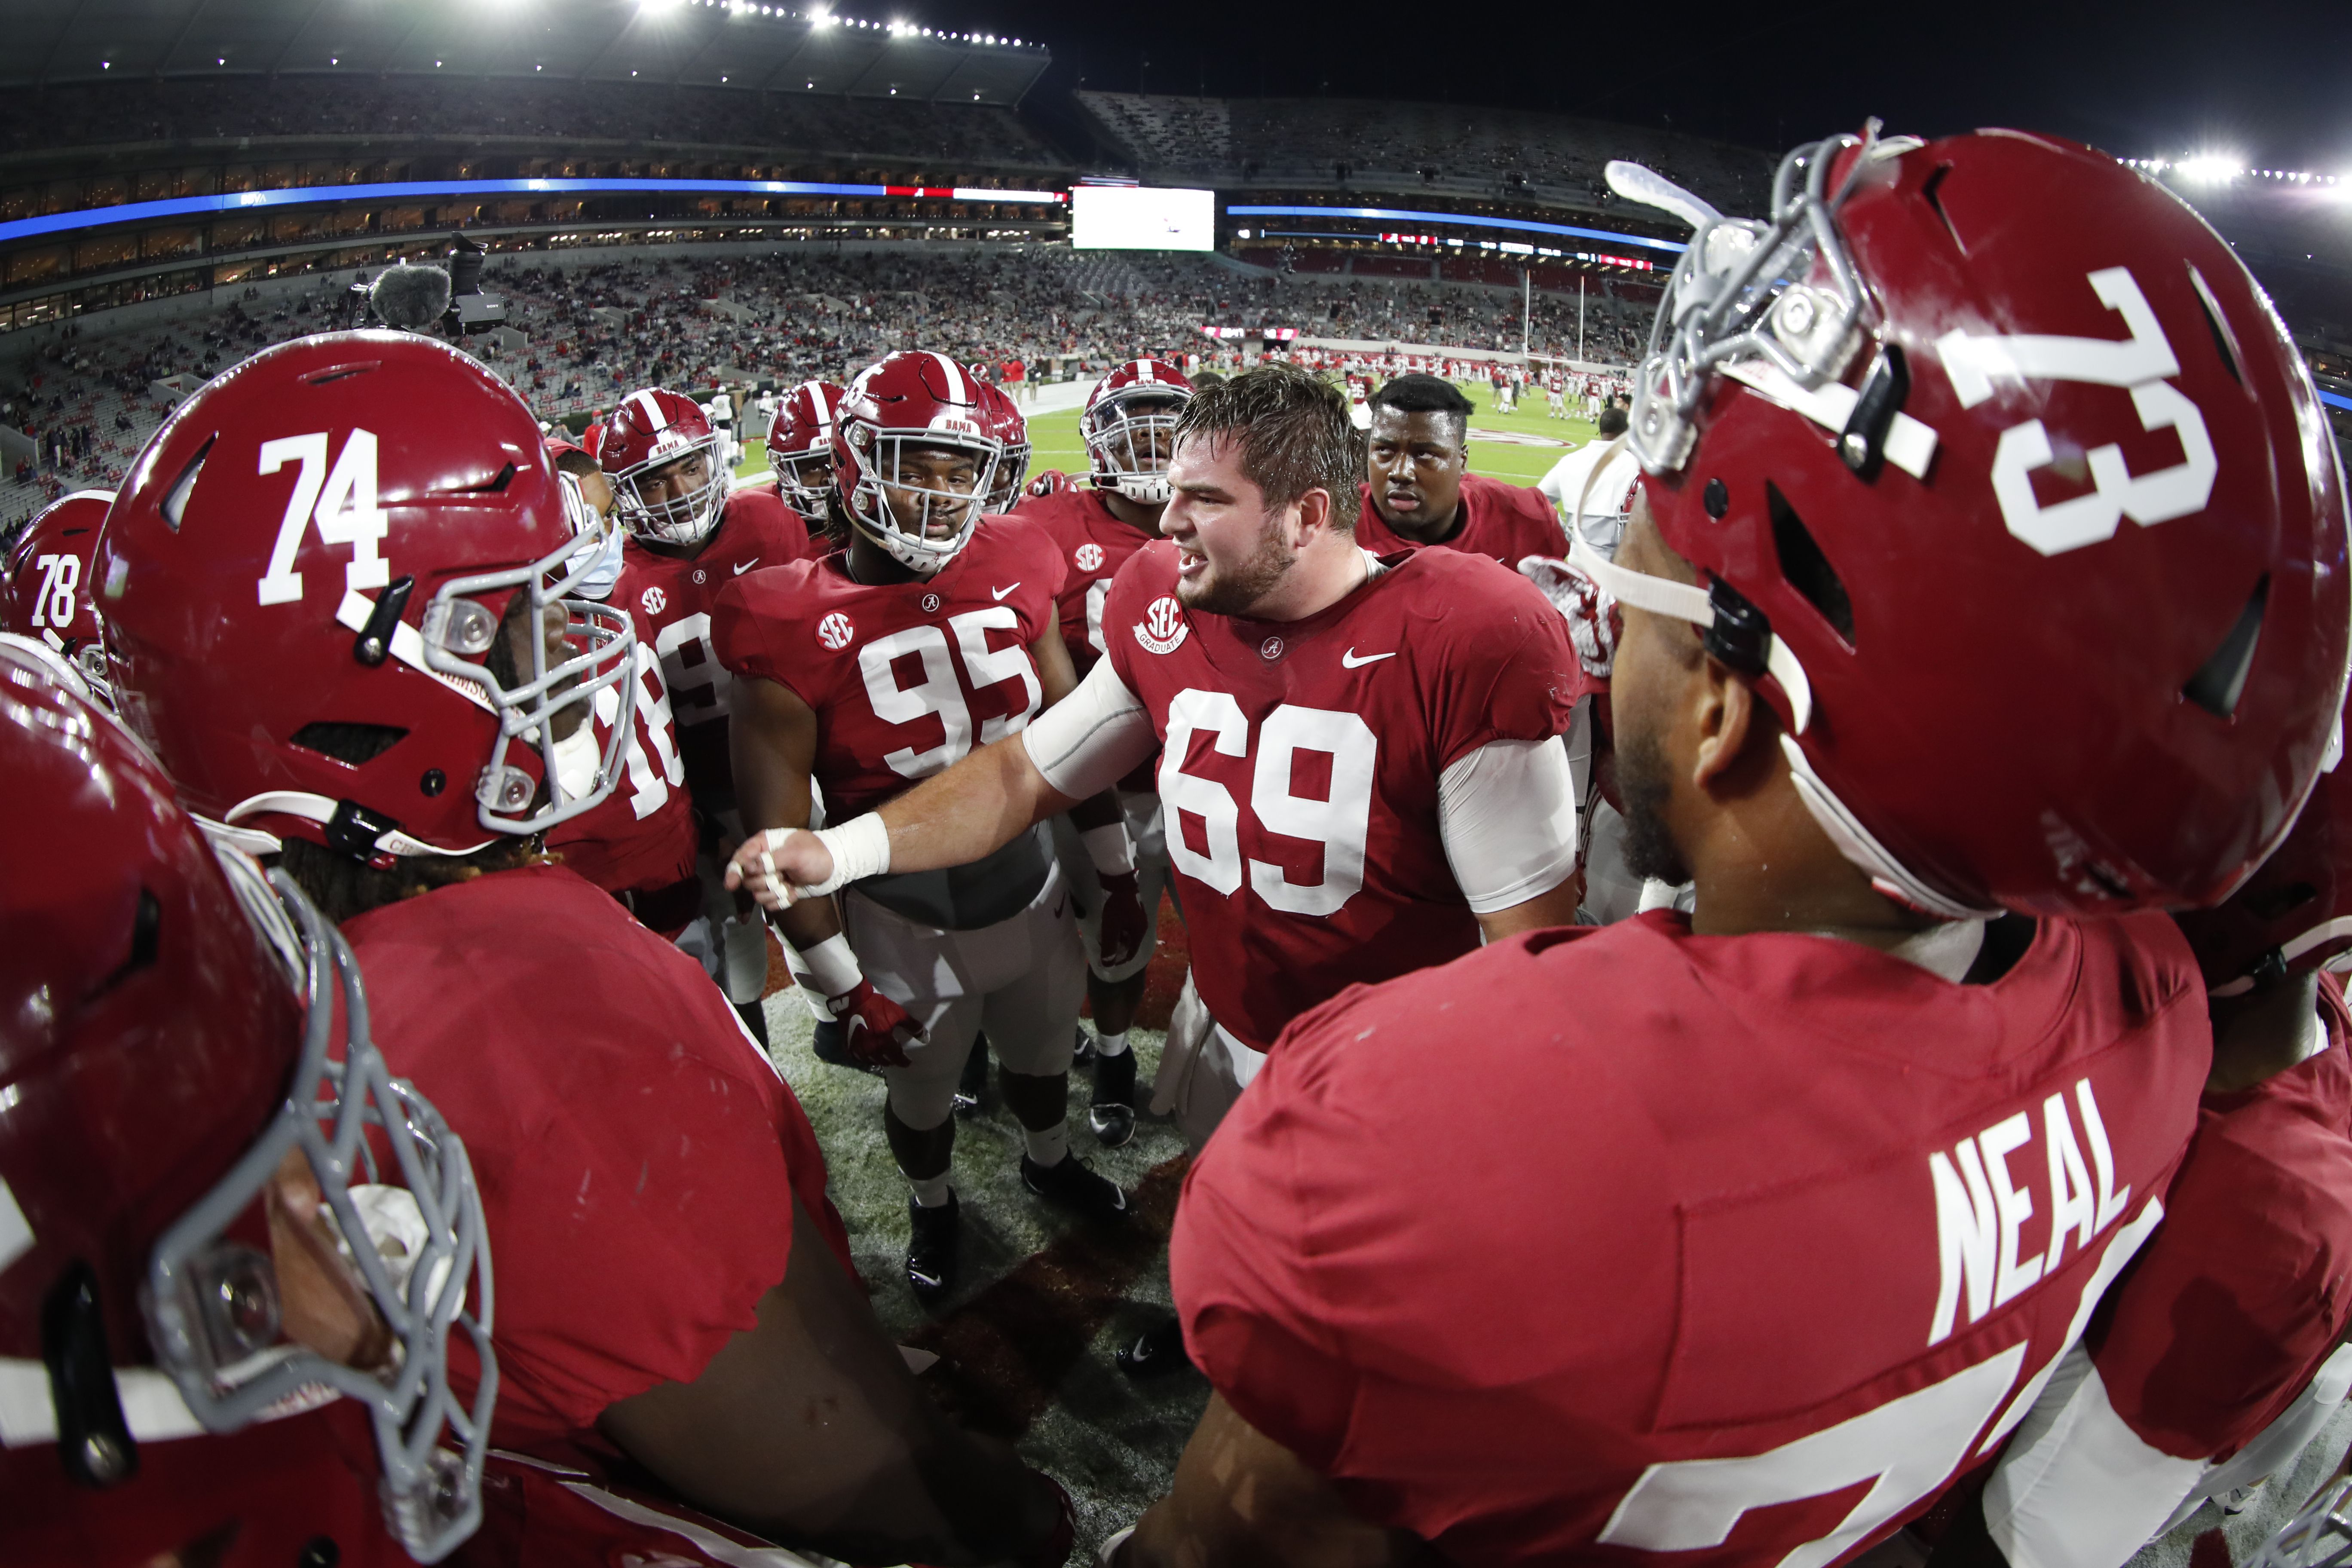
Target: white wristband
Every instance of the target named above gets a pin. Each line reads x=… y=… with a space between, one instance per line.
x=1109 y=849
x=860 y=848
x=833 y=969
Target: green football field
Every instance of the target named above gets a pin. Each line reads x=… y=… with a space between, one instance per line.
x=1055 y=437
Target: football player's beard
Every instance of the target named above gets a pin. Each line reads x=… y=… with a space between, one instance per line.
x=1642 y=784
x=1233 y=594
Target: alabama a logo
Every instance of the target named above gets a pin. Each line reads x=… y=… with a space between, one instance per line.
x=1163 y=626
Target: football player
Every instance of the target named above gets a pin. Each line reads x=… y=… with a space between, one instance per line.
x=800 y=447
x=1128 y=425
x=46 y=589
x=688 y=537
x=1861 y=1142
x=882 y=664
x=1005 y=421
x=1357 y=754
x=194 y=1365
x=2222 y=1355
x=1419 y=489
x=397 y=709
x=639 y=845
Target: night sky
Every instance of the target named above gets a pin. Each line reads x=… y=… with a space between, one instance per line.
x=2265 y=79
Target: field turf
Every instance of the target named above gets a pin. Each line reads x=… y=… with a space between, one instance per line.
x=1055 y=437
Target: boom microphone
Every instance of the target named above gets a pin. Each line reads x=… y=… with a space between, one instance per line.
x=410 y=298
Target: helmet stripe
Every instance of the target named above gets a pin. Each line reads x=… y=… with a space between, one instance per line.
x=655 y=419
x=960 y=384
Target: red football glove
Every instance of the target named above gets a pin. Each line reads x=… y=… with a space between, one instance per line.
x=875 y=1030
x=1120 y=935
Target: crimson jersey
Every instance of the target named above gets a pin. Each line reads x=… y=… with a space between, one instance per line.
x=1821 y=1227
x=1096 y=544
x=637 y=1154
x=1301 y=759
x=641 y=839
x=670 y=597
x=904 y=678
x=1505 y=522
x=2248 y=1287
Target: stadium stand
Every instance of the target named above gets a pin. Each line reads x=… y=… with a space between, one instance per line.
x=1310 y=142
x=492 y=116
x=585 y=329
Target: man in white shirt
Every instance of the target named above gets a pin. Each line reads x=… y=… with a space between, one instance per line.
x=1605 y=506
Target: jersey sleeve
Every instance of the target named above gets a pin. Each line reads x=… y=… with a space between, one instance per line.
x=1538 y=522
x=2240 y=1297
x=752 y=626
x=1511 y=673
x=1140 y=579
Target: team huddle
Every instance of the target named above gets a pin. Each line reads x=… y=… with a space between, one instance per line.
x=1731 y=1011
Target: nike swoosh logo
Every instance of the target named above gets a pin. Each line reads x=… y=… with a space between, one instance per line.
x=747 y=566
x=998 y=594
x=1348 y=660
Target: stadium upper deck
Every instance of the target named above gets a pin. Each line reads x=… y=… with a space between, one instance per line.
x=1424 y=148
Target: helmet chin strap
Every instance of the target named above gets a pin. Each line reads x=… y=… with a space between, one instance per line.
x=309 y=807
x=1863 y=851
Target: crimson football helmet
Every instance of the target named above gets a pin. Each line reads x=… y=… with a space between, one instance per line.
x=800 y=445
x=910 y=401
x=653 y=429
x=2006 y=485
x=306 y=583
x=1129 y=428
x=172 y=1043
x=47 y=590
x=1052 y=482
x=1011 y=429
x=2295 y=913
